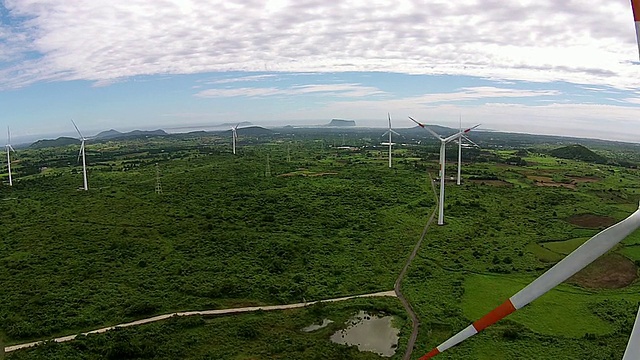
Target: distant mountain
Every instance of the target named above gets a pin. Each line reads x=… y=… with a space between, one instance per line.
x=253 y=131
x=113 y=134
x=578 y=152
x=61 y=141
x=108 y=134
x=243 y=123
x=339 y=122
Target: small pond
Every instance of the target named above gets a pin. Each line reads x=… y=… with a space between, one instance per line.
x=369 y=333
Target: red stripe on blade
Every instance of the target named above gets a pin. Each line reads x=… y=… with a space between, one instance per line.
x=431 y=354
x=635 y=5
x=496 y=314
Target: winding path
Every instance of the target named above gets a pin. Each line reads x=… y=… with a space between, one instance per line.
x=398 y=284
x=192 y=313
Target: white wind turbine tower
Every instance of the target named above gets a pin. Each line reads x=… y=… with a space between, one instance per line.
x=389 y=143
x=443 y=143
x=234 y=136
x=462 y=136
x=81 y=153
x=9 y=149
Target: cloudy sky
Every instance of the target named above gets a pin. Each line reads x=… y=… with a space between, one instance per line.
x=543 y=66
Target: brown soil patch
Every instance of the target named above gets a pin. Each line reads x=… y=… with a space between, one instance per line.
x=498 y=183
x=584 y=179
x=544 y=179
x=555 y=184
x=591 y=221
x=612 y=271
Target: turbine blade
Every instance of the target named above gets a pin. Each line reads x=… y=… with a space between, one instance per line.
x=633 y=346
x=8 y=136
x=635 y=7
x=386 y=133
x=471 y=128
x=419 y=124
x=394 y=132
x=469 y=140
x=389 y=116
x=11 y=147
x=78 y=130
x=567 y=267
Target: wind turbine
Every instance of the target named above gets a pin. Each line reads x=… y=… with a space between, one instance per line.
x=9 y=149
x=459 y=141
x=234 y=135
x=389 y=143
x=81 y=153
x=443 y=143
x=567 y=267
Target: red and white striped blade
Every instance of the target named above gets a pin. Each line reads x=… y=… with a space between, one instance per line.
x=471 y=128
x=574 y=262
x=415 y=121
x=635 y=6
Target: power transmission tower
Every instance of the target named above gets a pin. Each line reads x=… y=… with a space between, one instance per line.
x=158 y=184
x=267 y=172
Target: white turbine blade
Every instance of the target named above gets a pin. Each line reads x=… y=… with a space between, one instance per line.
x=567 y=267
x=469 y=140
x=425 y=127
x=633 y=346
x=385 y=133
x=8 y=136
x=414 y=120
x=389 y=116
x=78 y=130
x=471 y=128
x=11 y=148
x=395 y=132
x=635 y=7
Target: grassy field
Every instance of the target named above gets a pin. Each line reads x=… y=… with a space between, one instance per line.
x=325 y=223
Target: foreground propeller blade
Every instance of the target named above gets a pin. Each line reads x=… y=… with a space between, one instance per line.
x=633 y=346
x=567 y=267
x=635 y=7
x=389 y=116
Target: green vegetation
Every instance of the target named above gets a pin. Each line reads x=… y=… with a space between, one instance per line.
x=326 y=223
x=578 y=152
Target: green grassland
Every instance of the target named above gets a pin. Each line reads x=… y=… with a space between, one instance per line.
x=222 y=234
x=327 y=223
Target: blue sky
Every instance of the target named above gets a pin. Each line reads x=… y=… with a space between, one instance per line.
x=540 y=67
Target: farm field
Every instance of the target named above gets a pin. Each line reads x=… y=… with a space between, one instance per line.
x=317 y=223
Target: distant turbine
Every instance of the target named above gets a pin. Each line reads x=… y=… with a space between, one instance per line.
x=459 y=141
x=9 y=149
x=234 y=135
x=389 y=143
x=81 y=153
x=443 y=143
x=635 y=7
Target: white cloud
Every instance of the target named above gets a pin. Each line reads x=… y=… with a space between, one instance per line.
x=543 y=40
x=339 y=90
